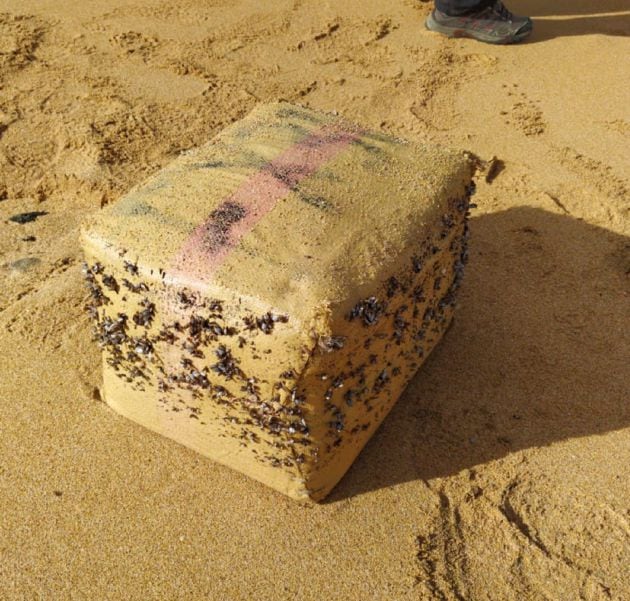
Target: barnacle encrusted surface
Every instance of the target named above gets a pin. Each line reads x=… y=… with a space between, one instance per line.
x=266 y=297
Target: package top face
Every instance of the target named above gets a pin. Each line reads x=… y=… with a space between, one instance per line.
x=288 y=208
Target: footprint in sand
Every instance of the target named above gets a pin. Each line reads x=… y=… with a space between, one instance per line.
x=597 y=174
x=554 y=524
x=439 y=76
x=524 y=114
x=132 y=43
x=618 y=125
x=20 y=36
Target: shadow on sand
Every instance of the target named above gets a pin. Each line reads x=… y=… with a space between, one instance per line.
x=583 y=17
x=537 y=354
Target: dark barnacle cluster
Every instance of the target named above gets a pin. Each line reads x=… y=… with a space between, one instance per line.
x=214 y=306
x=198 y=325
x=166 y=335
x=97 y=268
x=135 y=288
x=275 y=462
x=299 y=427
x=448 y=221
x=201 y=330
x=123 y=353
x=276 y=418
x=136 y=372
x=359 y=373
x=189 y=299
x=337 y=423
x=459 y=249
x=251 y=387
x=146 y=315
x=461 y=261
x=328 y=344
x=264 y=323
x=418 y=298
x=111 y=335
x=296 y=399
x=328 y=395
x=349 y=397
x=113 y=332
x=226 y=366
x=471 y=189
x=197 y=379
x=368 y=310
x=462 y=205
x=400 y=324
x=394 y=285
x=142 y=345
x=435 y=315
x=338 y=382
x=448 y=300
x=130 y=267
x=185 y=299
x=163 y=386
x=429 y=315
x=97 y=298
x=381 y=381
x=222 y=395
x=246 y=435
x=110 y=282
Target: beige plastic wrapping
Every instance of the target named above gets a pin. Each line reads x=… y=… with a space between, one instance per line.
x=265 y=298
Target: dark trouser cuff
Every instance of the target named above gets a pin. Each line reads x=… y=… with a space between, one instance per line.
x=454 y=8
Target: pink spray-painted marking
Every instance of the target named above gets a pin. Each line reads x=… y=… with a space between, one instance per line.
x=211 y=242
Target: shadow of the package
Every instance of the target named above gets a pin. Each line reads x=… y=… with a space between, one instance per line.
x=537 y=354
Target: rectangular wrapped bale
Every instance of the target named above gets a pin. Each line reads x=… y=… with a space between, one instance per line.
x=266 y=298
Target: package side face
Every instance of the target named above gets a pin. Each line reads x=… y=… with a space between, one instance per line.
x=363 y=363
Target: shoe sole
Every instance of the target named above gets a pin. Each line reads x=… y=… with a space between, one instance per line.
x=456 y=32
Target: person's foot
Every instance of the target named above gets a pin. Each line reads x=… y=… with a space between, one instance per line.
x=493 y=24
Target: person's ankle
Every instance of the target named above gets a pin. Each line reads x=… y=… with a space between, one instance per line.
x=460 y=12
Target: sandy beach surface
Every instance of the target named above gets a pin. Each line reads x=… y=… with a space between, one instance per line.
x=501 y=474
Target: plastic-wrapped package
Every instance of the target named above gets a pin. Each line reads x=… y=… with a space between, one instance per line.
x=266 y=298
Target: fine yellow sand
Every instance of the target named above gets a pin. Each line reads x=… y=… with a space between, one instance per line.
x=501 y=474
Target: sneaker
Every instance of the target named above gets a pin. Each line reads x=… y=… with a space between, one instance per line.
x=493 y=24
